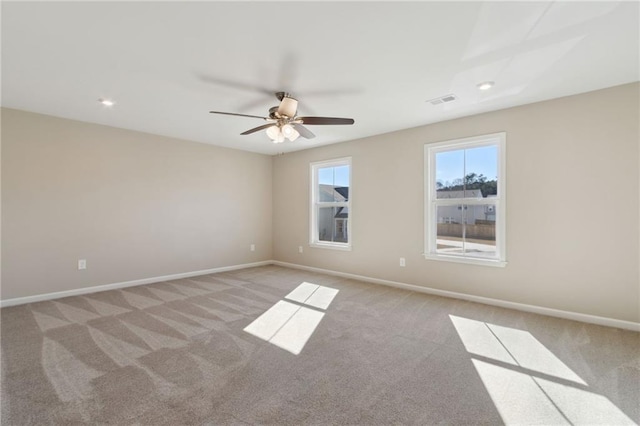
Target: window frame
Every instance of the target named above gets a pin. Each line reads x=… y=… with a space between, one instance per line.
x=431 y=202
x=315 y=204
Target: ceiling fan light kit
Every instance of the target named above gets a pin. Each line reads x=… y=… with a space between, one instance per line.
x=285 y=124
x=289 y=132
x=278 y=134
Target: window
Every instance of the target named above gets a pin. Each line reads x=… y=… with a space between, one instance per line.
x=331 y=204
x=465 y=200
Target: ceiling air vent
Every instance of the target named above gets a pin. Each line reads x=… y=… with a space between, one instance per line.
x=443 y=99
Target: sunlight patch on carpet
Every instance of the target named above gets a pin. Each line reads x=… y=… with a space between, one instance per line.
x=290 y=325
x=527 y=383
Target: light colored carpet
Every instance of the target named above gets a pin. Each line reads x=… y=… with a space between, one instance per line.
x=177 y=353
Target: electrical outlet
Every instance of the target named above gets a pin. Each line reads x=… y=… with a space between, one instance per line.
x=300 y=250
x=82 y=264
x=253 y=247
x=402 y=262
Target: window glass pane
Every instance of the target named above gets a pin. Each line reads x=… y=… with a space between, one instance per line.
x=333 y=223
x=481 y=172
x=341 y=183
x=480 y=231
x=326 y=193
x=325 y=176
x=449 y=174
x=468 y=230
x=334 y=184
x=325 y=180
x=449 y=234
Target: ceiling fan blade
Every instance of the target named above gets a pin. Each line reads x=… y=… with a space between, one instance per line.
x=304 y=132
x=325 y=120
x=232 y=83
x=239 y=115
x=257 y=129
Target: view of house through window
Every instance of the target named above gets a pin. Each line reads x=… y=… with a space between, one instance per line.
x=330 y=203
x=465 y=215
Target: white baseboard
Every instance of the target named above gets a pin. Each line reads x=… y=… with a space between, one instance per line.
x=98 y=288
x=591 y=319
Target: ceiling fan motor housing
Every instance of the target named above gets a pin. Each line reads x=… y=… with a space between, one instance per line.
x=273 y=112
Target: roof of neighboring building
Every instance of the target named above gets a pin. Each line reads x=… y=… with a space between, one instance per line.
x=334 y=193
x=343 y=213
x=344 y=191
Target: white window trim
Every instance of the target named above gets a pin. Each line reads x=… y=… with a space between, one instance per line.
x=314 y=206
x=430 y=225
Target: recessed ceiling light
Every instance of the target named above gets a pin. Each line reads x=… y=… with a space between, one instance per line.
x=485 y=85
x=106 y=102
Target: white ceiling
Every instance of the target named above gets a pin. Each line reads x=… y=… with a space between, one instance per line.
x=167 y=64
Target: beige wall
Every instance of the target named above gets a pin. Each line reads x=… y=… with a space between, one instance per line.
x=134 y=205
x=139 y=206
x=572 y=206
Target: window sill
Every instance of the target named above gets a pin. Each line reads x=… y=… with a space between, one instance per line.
x=467 y=260
x=331 y=246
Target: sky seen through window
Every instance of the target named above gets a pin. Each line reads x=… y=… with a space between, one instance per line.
x=452 y=165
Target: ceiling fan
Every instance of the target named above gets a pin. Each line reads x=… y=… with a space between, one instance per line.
x=284 y=123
